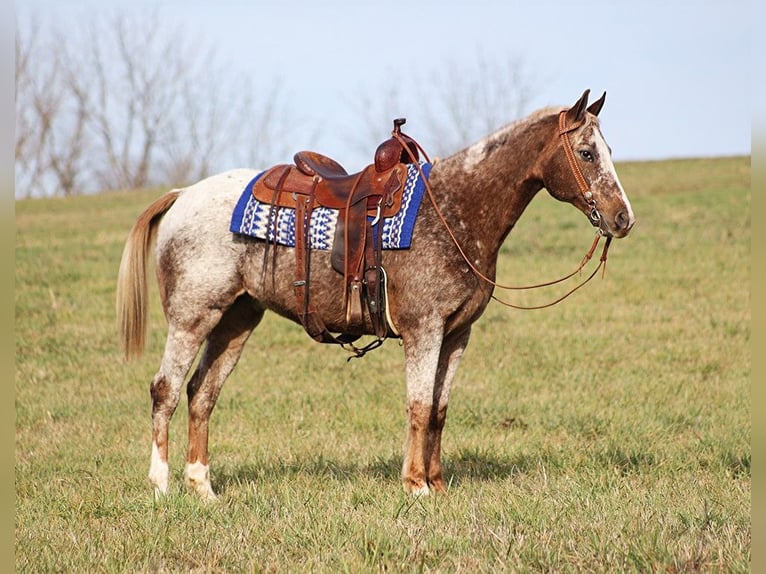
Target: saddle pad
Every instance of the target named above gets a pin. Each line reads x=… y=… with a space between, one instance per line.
x=255 y=219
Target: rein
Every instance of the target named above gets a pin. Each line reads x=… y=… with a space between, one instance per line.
x=594 y=215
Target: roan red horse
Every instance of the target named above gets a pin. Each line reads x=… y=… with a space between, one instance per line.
x=212 y=288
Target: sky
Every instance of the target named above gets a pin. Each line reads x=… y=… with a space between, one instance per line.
x=677 y=72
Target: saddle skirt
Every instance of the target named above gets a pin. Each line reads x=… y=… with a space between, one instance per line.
x=256 y=219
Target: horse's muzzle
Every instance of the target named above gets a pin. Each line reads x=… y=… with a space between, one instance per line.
x=623 y=223
x=617 y=227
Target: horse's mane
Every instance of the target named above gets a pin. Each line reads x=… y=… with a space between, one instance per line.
x=525 y=121
x=478 y=150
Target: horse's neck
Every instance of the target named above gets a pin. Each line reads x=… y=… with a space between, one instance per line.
x=486 y=187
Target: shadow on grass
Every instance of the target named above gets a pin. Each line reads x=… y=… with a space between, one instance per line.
x=466 y=466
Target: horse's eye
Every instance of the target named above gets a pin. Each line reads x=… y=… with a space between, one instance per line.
x=586 y=155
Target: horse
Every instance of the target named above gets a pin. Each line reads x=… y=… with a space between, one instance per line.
x=213 y=292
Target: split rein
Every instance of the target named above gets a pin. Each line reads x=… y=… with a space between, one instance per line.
x=594 y=215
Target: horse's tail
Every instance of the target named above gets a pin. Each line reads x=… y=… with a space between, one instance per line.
x=132 y=297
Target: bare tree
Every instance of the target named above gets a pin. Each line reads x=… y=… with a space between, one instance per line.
x=68 y=139
x=52 y=112
x=36 y=109
x=129 y=102
x=467 y=103
x=455 y=104
x=139 y=72
x=265 y=139
x=376 y=110
x=247 y=128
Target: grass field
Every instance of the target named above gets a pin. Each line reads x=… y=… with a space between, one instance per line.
x=609 y=433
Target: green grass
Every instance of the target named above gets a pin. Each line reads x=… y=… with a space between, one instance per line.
x=609 y=433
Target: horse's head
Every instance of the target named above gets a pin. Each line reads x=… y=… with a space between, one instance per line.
x=579 y=170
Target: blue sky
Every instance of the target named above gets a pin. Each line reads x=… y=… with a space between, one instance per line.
x=676 y=72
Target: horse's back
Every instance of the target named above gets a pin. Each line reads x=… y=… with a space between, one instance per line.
x=201 y=207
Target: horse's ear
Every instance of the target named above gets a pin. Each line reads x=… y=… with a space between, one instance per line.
x=577 y=112
x=596 y=106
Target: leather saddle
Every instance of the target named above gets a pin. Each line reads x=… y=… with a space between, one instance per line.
x=362 y=200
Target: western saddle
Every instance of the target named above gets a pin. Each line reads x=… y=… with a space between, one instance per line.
x=362 y=200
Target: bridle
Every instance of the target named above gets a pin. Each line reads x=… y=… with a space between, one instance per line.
x=595 y=218
x=564 y=130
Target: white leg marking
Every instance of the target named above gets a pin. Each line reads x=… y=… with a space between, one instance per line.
x=197 y=479
x=422 y=491
x=158 y=473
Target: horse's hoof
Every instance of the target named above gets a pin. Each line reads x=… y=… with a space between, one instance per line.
x=206 y=494
x=416 y=491
x=422 y=491
x=202 y=490
x=197 y=479
x=159 y=486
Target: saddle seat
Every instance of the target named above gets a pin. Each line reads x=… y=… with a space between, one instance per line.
x=313 y=163
x=362 y=198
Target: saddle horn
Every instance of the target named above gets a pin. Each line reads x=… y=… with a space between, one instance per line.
x=391 y=151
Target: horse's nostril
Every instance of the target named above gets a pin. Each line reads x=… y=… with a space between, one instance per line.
x=622 y=220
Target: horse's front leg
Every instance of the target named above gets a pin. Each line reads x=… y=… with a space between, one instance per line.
x=431 y=363
x=449 y=359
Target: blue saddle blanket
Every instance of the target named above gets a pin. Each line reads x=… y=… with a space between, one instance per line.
x=254 y=218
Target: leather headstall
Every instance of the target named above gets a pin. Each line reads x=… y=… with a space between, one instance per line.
x=564 y=130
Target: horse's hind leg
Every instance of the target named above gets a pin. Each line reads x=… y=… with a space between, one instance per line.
x=223 y=349
x=181 y=348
